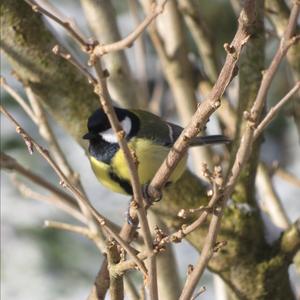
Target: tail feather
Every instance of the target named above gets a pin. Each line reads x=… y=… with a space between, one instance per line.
x=211 y=139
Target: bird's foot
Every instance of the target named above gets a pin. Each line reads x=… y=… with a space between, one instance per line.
x=149 y=199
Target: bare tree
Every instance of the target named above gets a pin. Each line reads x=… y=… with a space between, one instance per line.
x=230 y=240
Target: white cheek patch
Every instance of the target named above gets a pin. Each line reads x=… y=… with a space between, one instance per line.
x=170 y=133
x=109 y=135
x=126 y=125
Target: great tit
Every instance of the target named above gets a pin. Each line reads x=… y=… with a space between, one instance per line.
x=147 y=135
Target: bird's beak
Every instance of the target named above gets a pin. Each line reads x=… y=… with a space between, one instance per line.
x=89 y=136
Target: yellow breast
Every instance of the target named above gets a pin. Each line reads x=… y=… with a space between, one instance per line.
x=150 y=157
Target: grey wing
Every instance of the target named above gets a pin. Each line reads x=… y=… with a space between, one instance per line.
x=154 y=128
x=175 y=131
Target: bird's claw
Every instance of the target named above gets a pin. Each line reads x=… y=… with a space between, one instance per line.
x=148 y=199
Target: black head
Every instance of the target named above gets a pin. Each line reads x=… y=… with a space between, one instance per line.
x=99 y=126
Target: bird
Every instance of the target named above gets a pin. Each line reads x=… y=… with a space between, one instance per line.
x=147 y=135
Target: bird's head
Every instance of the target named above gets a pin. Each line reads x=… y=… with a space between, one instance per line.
x=99 y=126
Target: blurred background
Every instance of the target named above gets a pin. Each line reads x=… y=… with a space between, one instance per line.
x=39 y=263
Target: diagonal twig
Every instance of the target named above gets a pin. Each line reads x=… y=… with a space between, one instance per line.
x=242 y=154
x=82 y=201
x=76 y=35
x=156 y=10
x=26 y=107
x=274 y=111
x=207 y=107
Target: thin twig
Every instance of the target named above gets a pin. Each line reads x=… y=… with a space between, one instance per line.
x=45 y=130
x=84 y=231
x=77 y=36
x=59 y=50
x=253 y=117
x=82 y=201
x=23 y=103
x=156 y=10
x=242 y=155
x=206 y=254
x=176 y=237
x=59 y=198
x=38 y=116
x=105 y=101
x=69 y=227
x=192 y=14
x=47 y=133
x=274 y=110
x=285 y=175
x=201 y=291
x=134 y=179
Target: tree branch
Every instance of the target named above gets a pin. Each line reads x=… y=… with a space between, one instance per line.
x=60 y=199
x=127 y=42
x=22 y=102
x=102 y=20
x=207 y=107
x=274 y=110
x=73 y=32
x=82 y=201
x=243 y=152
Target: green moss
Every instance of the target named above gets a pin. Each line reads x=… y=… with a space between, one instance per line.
x=63 y=90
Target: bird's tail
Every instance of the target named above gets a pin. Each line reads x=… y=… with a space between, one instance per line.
x=211 y=139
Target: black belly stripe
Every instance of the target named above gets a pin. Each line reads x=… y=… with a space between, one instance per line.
x=124 y=184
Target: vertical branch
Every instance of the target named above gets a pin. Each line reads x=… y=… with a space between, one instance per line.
x=167 y=275
x=136 y=187
x=140 y=59
x=101 y=18
x=251 y=67
x=271 y=200
x=202 y=37
x=211 y=237
x=172 y=49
